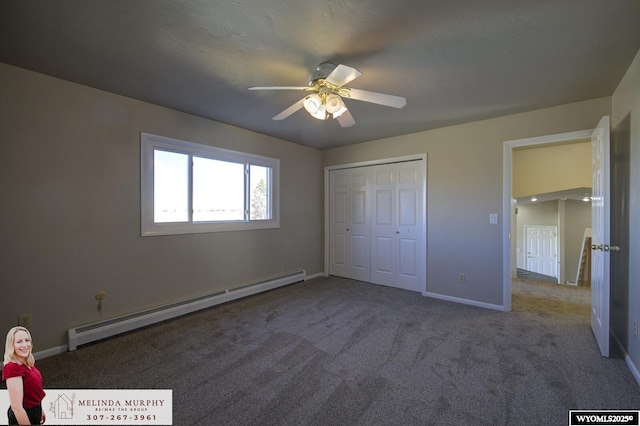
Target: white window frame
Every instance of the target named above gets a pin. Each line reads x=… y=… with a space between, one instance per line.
x=149 y=143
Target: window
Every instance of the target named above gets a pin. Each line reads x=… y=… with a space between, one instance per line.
x=191 y=188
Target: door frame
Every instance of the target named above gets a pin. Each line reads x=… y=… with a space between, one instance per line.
x=508 y=204
x=422 y=157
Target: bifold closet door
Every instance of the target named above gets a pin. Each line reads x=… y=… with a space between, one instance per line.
x=350 y=239
x=377 y=224
x=397 y=246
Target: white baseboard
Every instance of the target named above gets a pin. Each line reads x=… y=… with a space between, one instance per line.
x=633 y=368
x=50 y=352
x=88 y=333
x=318 y=275
x=174 y=311
x=627 y=358
x=465 y=301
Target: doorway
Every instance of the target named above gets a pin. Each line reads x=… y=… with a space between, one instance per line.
x=618 y=323
x=509 y=205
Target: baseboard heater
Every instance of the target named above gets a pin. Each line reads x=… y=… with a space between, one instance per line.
x=99 y=330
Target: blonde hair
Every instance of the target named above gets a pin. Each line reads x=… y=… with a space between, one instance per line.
x=9 y=348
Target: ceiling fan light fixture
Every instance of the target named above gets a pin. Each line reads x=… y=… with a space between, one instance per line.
x=339 y=112
x=327 y=84
x=314 y=106
x=333 y=103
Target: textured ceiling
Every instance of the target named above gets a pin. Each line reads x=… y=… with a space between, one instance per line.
x=454 y=61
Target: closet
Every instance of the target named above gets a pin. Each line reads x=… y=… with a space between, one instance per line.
x=377 y=224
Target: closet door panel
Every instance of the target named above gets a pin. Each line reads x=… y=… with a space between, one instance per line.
x=383 y=237
x=349 y=224
x=339 y=213
x=411 y=253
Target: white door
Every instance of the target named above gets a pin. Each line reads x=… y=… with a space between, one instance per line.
x=541 y=243
x=349 y=224
x=411 y=245
x=600 y=234
x=397 y=247
x=376 y=221
x=383 y=226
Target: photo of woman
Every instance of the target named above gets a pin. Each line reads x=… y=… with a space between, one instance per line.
x=24 y=381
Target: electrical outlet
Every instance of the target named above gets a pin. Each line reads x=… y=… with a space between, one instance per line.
x=462 y=278
x=24 y=320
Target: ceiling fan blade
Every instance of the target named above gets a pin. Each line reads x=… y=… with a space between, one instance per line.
x=342 y=75
x=287 y=112
x=377 y=98
x=280 y=88
x=346 y=119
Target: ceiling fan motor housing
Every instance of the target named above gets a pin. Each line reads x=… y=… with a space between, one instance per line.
x=322 y=72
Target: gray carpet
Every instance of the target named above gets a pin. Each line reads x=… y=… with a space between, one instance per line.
x=333 y=351
x=523 y=274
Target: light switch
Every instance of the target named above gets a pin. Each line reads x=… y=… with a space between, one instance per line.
x=493 y=218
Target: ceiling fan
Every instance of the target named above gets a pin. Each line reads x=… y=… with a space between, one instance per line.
x=327 y=86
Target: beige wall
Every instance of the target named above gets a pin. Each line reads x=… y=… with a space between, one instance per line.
x=538 y=170
x=70 y=179
x=626 y=102
x=464 y=185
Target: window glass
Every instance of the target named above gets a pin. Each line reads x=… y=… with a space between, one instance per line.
x=259 y=190
x=193 y=188
x=218 y=190
x=171 y=187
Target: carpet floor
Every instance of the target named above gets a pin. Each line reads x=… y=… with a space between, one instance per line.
x=333 y=351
